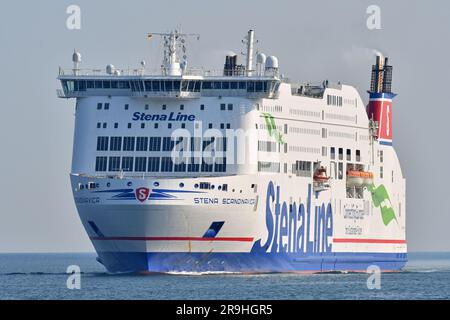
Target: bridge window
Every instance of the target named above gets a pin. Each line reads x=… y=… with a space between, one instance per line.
x=349 y=155
x=207 y=85
x=155 y=86
x=250 y=86
x=358 y=155
x=222 y=106
x=106 y=84
x=106 y=106
x=114 y=84
x=168 y=85
x=233 y=85
x=99 y=106
x=98 y=84
x=90 y=84
x=148 y=85
x=124 y=85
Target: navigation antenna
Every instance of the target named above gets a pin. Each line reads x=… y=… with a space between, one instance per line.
x=174 y=46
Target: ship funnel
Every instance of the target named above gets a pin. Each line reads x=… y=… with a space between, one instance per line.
x=379 y=109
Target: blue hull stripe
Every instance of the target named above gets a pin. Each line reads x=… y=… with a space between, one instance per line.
x=249 y=262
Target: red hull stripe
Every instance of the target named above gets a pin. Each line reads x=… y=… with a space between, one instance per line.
x=238 y=239
x=343 y=240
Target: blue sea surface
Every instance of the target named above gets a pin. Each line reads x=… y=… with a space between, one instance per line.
x=43 y=276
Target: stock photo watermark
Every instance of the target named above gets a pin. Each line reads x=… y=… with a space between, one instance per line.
x=73 y=21
x=74 y=280
x=373 y=21
x=374 y=280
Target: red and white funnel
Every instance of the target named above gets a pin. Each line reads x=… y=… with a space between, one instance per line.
x=379 y=108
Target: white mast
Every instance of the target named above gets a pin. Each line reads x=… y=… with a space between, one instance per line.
x=250 y=40
x=173 y=41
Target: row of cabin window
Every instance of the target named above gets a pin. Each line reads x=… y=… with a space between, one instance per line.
x=154 y=143
x=334 y=100
x=348 y=155
x=223 y=106
x=169 y=85
x=104 y=125
x=159 y=164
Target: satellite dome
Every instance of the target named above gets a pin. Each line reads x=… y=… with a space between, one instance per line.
x=261 y=58
x=76 y=57
x=110 y=69
x=272 y=62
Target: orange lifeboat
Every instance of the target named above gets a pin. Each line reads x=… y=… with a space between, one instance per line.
x=321 y=175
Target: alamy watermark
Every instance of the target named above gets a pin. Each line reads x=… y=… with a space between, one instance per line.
x=374 y=280
x=73 y=21
x=74 y=279
x=373 y=21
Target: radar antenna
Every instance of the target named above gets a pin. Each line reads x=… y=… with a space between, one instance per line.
x=174 y=46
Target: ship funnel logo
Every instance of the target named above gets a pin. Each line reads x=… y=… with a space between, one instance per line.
x=142 y=194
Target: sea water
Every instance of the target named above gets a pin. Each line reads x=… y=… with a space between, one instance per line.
x=43 y=276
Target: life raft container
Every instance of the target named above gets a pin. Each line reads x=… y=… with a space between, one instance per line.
x=359 y=178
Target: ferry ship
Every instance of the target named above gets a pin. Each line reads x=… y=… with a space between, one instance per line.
x=239 y=170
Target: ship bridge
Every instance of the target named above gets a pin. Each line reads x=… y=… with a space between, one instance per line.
x=174 y=79
x=187 y=86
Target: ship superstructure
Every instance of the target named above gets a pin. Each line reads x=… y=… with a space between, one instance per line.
x=237 y=170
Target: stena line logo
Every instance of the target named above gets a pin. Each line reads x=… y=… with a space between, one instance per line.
x=142 y=194
x=295 y=228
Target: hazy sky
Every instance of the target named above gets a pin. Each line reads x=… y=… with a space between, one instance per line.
x=314 y=40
